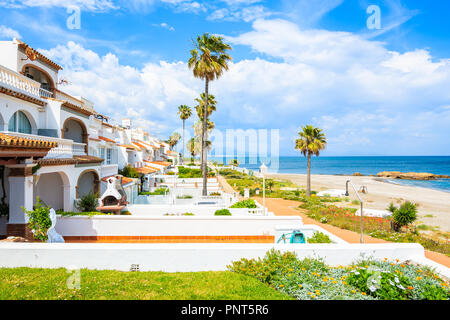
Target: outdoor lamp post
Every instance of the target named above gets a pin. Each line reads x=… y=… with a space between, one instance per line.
x=360 y=201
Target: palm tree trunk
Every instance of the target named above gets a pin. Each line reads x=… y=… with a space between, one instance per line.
x=308 y=177
x=182 y=159
x=204 y=134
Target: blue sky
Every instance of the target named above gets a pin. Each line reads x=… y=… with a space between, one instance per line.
x=295 y=62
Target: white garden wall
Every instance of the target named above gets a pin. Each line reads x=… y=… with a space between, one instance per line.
x=172 y=225
x=191 y=257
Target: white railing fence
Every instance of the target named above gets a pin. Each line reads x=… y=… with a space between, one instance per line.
x=16 y=81
x=66 y=148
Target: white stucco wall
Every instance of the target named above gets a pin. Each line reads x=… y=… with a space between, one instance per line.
x=186 y=257
x=172 y=225
x=9 y=55
x=50 y=189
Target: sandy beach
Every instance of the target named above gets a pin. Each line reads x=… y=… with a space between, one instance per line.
x=380 y=194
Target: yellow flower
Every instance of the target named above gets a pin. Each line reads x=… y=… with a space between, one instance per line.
x=363 y=293
x=309 y=293
x=419 y=278
x=343 y=282
x=419 y=270
x=299 y=285
x=392 y=264
x=291 y=269
x=444 y=284
x=367 y=266
x=397 y=260
x=313 y=296
x=334 y=282
x=353 y=291
x=303 y=269
x=402 y=265
x=410 y=288
x=281 y=285
x=325 y=279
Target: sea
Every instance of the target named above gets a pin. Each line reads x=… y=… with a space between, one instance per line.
x=348 y=165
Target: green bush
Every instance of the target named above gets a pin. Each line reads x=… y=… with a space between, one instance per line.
x=319 y=237
x=189 y=173
x=184 y=197
x=157 y=192
x=129 y=172
x=404 y=215
x=215 y=194
x=39 y=220
x=88 y=213
x=222 y=212
x=170 y=173
x=249 y=203
x=88 y=202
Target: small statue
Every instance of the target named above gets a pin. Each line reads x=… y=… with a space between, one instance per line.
x=52 y=235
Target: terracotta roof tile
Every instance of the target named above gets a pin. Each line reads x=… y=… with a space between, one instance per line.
x=106 y=139
x=13 y=141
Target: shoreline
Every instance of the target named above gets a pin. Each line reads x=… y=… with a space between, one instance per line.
x=381 y=193
x=381 y=179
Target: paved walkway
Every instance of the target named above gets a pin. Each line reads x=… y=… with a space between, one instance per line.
x=281 y=207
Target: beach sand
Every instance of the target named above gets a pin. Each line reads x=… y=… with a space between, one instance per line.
x=380 y=194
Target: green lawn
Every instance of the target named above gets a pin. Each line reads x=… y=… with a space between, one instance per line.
x=30 y=283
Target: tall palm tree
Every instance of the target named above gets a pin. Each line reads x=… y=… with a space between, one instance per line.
x=208 y=61
x=185 y=113
x=311 y=142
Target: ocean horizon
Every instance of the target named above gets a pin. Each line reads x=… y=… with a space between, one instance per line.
x=347 y=165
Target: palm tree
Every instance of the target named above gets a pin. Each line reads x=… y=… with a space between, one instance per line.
x=311 y=142
x=200 y=108
x=191 y=146
x=185 y=113
x=208 y=61
x=173 y=140
x=270 y=183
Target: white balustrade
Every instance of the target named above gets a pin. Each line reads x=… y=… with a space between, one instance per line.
x=16 y=81
x=66 y=148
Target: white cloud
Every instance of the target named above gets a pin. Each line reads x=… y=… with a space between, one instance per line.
x=246 y=14
x=8 y=33
x=368 y=99
x=89 y=5
x=164 y=25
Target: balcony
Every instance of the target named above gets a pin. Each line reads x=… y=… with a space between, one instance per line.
x=66 y=148
x=19 y=83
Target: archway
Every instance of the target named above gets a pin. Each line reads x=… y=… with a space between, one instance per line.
x=75 y=130
x=40 y=75
x=22 y=121
x=54 y=190
x=88 y=181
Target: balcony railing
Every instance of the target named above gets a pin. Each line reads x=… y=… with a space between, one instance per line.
x=17 y=82
x=45 y=93
x=60 y=95
x=66 y=148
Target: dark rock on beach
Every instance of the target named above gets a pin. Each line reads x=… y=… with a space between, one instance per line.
x=411 y=175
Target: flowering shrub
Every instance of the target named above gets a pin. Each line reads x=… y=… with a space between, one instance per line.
x=312 y=279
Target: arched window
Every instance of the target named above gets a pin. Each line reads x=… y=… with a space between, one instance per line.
x=19 y=123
